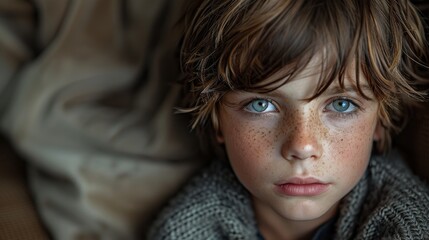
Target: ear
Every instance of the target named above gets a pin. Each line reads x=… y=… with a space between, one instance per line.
x=219 y=136
x=378 y=132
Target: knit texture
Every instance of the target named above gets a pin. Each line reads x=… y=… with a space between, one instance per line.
x=387 y=203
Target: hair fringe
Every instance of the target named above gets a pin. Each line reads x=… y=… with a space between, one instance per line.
x=235 y=45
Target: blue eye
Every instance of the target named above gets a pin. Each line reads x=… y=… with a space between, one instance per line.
x=261 y=105
x=342 y=106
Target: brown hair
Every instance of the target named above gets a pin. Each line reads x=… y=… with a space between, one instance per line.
x=236 y=44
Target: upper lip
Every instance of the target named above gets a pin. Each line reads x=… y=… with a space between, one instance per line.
x=300 y=180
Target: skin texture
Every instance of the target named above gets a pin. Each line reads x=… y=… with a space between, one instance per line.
x=295 y=137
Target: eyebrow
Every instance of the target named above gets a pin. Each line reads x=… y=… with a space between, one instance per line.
x=337 y=89
x=333 y=90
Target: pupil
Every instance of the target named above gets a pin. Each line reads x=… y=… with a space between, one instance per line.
x=260 y=105
x=342 y=105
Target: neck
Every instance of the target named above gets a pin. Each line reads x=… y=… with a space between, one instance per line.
x=274 y=226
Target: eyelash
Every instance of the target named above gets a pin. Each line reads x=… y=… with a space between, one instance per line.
x=247 y=105
x=349 y=114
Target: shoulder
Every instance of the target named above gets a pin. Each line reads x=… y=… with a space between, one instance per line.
x=212 y=205
x=391 y=175
x=397 y=204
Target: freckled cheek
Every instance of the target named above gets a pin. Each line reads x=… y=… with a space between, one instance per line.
x=350 y=150
x=249 y=145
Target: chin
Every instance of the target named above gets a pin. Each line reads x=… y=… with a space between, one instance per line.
x=302 y=216
x=308 y=212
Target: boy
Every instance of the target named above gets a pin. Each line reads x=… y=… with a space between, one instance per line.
x=303 y=97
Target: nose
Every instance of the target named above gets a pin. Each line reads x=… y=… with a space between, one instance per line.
x=302 y=140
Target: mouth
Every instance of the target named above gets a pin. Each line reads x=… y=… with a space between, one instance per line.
x=302 y=187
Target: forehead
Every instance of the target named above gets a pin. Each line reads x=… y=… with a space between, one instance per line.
x=317 y=76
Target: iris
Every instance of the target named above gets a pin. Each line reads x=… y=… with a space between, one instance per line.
x=341 y=105
x=260 y=105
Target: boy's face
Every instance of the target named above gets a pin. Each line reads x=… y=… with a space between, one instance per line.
x=299 y=158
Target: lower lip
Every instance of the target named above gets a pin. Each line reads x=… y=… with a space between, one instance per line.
x=312 y=189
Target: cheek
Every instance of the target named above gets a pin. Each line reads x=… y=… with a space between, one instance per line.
x=351 y=149
x=248 y=146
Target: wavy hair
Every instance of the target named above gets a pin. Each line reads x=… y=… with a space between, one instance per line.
x=233 y=45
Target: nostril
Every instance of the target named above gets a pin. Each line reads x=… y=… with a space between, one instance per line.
x=300 y=157
x=296 y=151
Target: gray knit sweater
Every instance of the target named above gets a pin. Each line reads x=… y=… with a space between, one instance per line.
x=388 y=203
